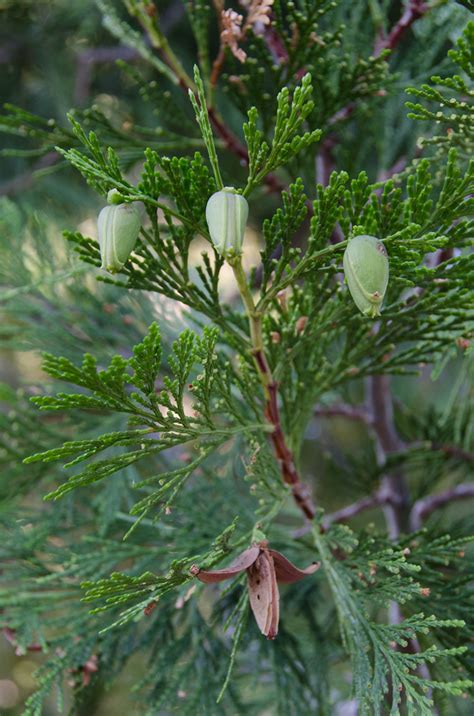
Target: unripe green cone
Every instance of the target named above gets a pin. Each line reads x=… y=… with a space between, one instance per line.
x=366 y=270
x=226 y=215
x=118 y=228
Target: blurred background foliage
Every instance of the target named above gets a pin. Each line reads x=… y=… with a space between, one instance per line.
x=57 y=54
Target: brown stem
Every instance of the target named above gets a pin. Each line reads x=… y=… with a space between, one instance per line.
x=424 y=507
x=344 y=410
x=300 y=491
x=230 y=140
x=350 y=511
x=454 y=451
x=377 y=499
x=387 y=441
x=217 y=66
x=285 y=458
x=275 y=44
x=415 y=10
x=325 y=162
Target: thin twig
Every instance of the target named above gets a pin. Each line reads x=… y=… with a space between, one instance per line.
x=289 y=472
x=218 y=62
x=393 y=484
x=387 y=442
x=351 y=412
x=454 y=451
x=413 y=12
x=377 y=499
x=424 y=507
x=275 y=44
x=365 y=503
x=325 y=162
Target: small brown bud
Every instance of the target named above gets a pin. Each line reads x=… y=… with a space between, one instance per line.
x=236 y=80
x=150 y=10
x=275 y=336
x=301 y=324
x=463 y=343
x=425 y=591
x=150 y=607
x=282 y=300
x=314 y=37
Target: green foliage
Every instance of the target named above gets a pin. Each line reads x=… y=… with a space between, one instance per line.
x=380 y=662
x=202 y=119
x=159 y=411
x=189 y=426
x=287 y=142
x=453 y=98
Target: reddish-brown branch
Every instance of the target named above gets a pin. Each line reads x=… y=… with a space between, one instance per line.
x=377 y=499
x=283 y=453
x=454 y=451
x=299 y=490
x=424 y=507
x=275 y=44
x=217 y=66
x=230 y=140
x=344 y=410
x=413 y=12
x=219 y=61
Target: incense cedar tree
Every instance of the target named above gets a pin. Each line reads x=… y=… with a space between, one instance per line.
x=235 y=401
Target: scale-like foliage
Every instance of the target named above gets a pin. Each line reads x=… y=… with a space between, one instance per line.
x=453 y=98
x=191 y=438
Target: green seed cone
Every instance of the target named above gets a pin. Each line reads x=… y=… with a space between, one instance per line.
x=118 y=228
x=226 y=215
x=366 y=270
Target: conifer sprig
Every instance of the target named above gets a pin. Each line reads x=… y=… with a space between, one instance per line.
x=172 y=433
x=448 y=101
